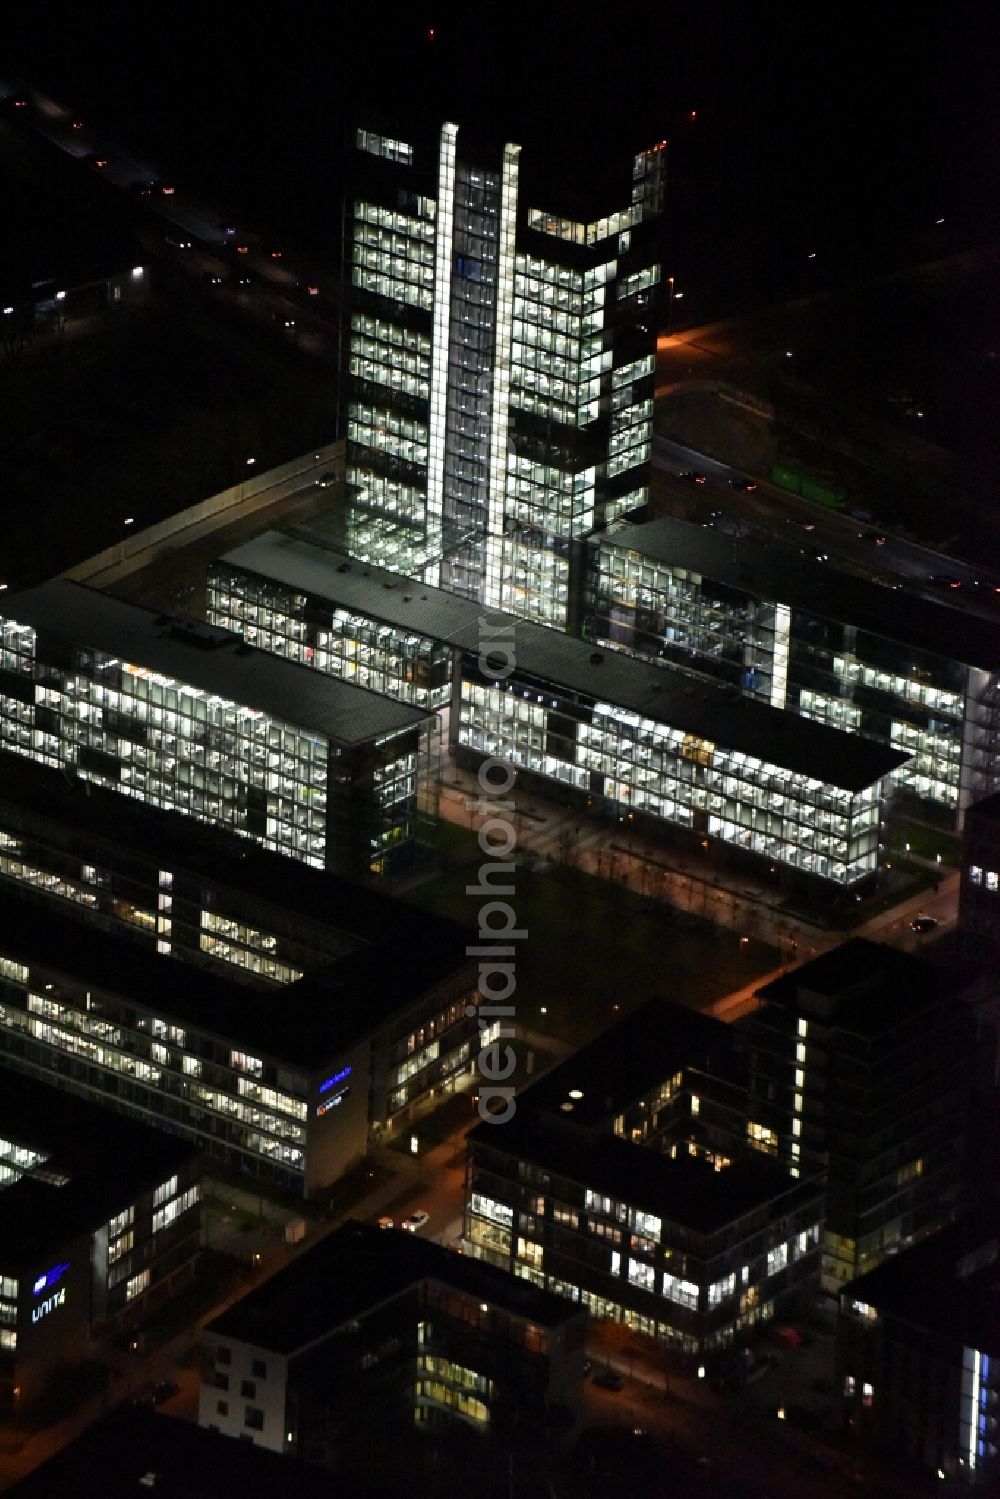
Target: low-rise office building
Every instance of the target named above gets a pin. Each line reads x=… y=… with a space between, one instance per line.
x=860 y=1071
x=372 y=1331
x=153 y=879
x=621 y=734
x=622 y=1182
x=918 y=1353
x=920 y=676
x=278 y=1084
x=97 y=1223
x=186 y=717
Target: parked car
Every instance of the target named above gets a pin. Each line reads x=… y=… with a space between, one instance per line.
x=414 y=1221
x=693 y=477
x=386 y=1222
x=923 y=924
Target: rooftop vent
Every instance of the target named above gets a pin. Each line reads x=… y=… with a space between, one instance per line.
x=596 y=658
x=344 y=567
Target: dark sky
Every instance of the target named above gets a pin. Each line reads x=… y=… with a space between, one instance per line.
x=842 y=128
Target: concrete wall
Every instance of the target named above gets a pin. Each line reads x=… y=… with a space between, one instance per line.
x=138 y=550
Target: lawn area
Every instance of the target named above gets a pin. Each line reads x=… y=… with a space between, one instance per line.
x=592 y=947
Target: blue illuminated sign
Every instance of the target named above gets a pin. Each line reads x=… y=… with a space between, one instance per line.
x=48 y=1280
x=331 y=1082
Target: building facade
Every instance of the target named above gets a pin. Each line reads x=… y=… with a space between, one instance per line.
x=918 y=1355
x=623 y=1183
x=619 y=735
x=95 y=1227
x=860 y=1072
x=979 y=892
x=371 y=1333
x=501 y=362
x=916 y=675
x=187 y=718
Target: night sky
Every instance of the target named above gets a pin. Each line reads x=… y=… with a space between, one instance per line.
x=844 y=130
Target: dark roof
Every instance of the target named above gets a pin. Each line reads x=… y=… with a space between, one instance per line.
x=114 y=1457
x=775 y=571
x=215 y=661
x=987 y=810
x=359 y=1267
x=623 y=1063
x=109 y=1164
x=962 y=1264
x=720 y=714
x=860 y=986
x=304 y=1024
x=687 y=1191
x=358 y=915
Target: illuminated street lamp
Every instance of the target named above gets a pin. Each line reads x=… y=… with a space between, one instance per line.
x=128 y=521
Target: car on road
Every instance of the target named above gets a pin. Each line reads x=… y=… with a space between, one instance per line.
x=608 y=1379
x=415 y=1221
x=177 y=241
x=923 y=924
x=693 y=476
x=877 y=538
x=211 y=278
x=325 y=480
x=145 y=188
x=386 y=1222
x=803 y=525
x=944 y=580
x=747 y=486
x=95 y=159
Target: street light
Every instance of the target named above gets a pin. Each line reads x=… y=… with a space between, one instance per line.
x=670 y=305
x=128 y=521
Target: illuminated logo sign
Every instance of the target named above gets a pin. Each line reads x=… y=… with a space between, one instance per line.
x=49 y=1279
x=58 y=1298
x=338 y=1077
x=331 y=1103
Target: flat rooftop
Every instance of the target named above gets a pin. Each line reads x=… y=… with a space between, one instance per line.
x=214 y=661
x=646 y=1048
x=358 y=1268
x=687 y=1191
x=304 y=1024
x=962 y=1264
x=107 y=1163
x=719 y=714
x=774 y=571
x=133 y=1450
x=859 y=986
x=360 y=916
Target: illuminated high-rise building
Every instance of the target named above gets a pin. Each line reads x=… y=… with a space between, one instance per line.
x=501 y=355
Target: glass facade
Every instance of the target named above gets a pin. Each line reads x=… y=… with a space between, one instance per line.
x=341 y=642
x=934 y=709
x=644 y=766
x=176 y=746
x=501 y=392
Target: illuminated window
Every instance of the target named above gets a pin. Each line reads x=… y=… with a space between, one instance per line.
x=992 y=880
x=762 y=1138
x=137 y=1285
x=975 y=874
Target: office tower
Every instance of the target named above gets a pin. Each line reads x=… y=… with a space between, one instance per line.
x=97 y=1224
x=979 y=893
x=860 y=1070
x=918 y=1355
x=501 y=357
